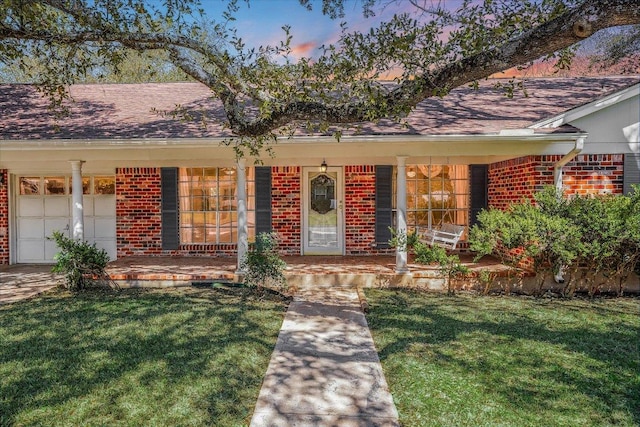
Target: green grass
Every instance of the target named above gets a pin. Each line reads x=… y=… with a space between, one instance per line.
x=508 y=361
x=155 y=358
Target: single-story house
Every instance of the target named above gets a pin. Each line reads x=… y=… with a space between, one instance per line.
x=124 y=172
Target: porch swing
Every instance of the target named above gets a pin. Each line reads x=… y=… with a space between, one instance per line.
x=441 y=204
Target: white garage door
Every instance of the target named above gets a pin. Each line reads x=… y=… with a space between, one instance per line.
x=44 y=206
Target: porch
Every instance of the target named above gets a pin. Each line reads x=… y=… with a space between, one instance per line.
x=24 y=280
x=301 y=271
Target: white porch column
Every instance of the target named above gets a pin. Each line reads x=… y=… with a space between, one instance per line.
x=77 y=212
x=401 y=213
x=243 y=239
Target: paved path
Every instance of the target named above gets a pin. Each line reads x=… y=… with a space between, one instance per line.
x=18 y=282
x=325 y=370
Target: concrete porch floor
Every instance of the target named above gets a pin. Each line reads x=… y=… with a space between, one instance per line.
x=367 y=271
x=23 y=281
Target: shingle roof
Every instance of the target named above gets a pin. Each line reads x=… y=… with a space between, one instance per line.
x=124 y=111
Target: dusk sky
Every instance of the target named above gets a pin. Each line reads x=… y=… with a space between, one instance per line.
x=261 y=22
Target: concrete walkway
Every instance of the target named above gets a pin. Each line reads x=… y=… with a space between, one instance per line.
x=18 y=282
x=325 y=370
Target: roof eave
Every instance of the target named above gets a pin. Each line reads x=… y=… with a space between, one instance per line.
x=507 y=136
x=579 y=112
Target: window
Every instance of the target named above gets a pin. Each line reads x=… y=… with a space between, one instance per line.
x=29 y=185
x=436 y=194
x=208 y=211
x=54 y=185
x=62 y=185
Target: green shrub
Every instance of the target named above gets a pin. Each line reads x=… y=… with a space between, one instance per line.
x=400 y=239
x=450 y=266
x=262 y=265
x=539 y=232
x=83 y=264
x=589 y=237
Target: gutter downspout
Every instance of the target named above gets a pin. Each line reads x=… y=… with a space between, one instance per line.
x=558 y=277
x=557 y=168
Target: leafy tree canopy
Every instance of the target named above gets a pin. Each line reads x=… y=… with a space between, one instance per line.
x=266 y=90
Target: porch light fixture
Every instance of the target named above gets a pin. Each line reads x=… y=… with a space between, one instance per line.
x=323 y=166
x=1 y=179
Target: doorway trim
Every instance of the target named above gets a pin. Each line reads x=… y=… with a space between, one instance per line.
x=309 y=173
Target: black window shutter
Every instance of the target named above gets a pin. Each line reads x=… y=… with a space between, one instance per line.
x=384 y=210
x=263 y=199
x=631 y=172
x=479 y=190
x=170 y=238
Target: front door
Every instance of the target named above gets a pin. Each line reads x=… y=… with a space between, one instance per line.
x=322 y=227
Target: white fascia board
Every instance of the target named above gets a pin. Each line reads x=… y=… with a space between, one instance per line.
x=587 y=109
x=102 y=144
x=506 y=137
x=145 y=144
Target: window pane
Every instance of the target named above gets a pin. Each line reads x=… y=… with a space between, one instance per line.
x=227 y=174
x=104 y=185
x=226 y=235
x=186 y=235
x=208 y=206
x=29 y=185
x=54 y=185
x=199 y=230
x=436 y=194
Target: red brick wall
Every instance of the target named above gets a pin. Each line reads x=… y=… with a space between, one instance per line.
x=4 y=217
x=512 y=180
x=594 y=174
x=360 y=209
x=138 y=220
x=286 y=213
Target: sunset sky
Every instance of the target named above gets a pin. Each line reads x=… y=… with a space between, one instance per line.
x=261 y=22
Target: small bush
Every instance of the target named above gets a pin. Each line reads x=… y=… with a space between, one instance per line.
x=262 y=264
x=450 y=266
x=401 y=240
x=83 y=264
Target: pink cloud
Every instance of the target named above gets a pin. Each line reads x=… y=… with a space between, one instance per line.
x=303 y=49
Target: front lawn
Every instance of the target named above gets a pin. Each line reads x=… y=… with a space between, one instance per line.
x=171 y=357
x=508 y=361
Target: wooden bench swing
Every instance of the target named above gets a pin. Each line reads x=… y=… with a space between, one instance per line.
x=447 y=236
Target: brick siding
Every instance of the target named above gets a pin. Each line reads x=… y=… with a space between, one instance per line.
x=513 y=180
x=286 y=213
x=4 y=217
x=138 y=219
x=594 y=174
x=360 y=209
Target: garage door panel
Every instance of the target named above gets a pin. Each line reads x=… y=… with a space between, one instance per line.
x=109 y=246
x=31 y=228
x=105 y=206
x=105 y=227
x=88 y=206
x=50 y=249
x=31 y=251
x=30 y=206
x=89 y=228
x=56 y=224
x=56 y=206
